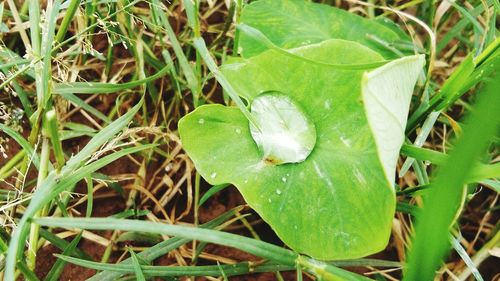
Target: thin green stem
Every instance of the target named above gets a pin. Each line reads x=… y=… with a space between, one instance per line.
x=199 y=43
x=7 y=169
x=52 y=131
x=34 y=231
x=68 y=17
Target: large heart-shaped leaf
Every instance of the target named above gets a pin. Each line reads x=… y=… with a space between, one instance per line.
x=294 y=23
x=339 y=202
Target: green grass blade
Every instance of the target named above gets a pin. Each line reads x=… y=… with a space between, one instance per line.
x=201 y=47
x=423 y=154
x=366 y=262
x=207 y=270
x=23 y=143
x=80 y=103
x=46 y=50
x=430 y=242
x=68 y=17
x=34 y=20
x=420 y=140
x=27 y=273
x=479 y=172
x=449 y=88
x=90 y=196
x=255 y=247
x=8 y=168
x=465 y=257
x=192 y=15
x=139 y=276
x=482 y=254
x=482 y=172
x=3 y=246
x=62 y=244
x=102 y=137
x=15 y=62
x=58 y=267
x=213 y=190
x=467 y=15
x=163 y=248
x=459 y=27
x=104 y=88
x=192 y=81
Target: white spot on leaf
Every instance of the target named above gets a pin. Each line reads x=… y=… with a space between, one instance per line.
x=345 y=141
x=328 y=104
x=359 y=176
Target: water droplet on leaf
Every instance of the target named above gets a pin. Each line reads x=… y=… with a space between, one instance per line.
x=213 y=175
x=285 y=133
x=201 y=121
x=278 y=191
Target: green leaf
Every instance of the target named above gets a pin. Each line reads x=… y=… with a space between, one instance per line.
x=339 y=202
x=295 y=23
